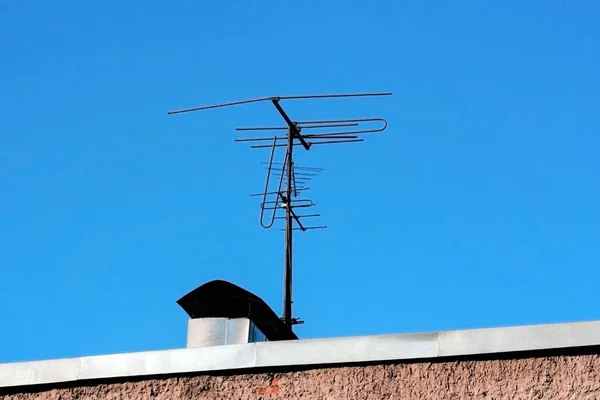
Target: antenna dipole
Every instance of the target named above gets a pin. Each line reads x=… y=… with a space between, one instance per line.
x=286 y=199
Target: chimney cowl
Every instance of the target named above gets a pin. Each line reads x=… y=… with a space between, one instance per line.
x=223 y=304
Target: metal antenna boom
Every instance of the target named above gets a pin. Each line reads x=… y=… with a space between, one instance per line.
x=278 y=198
x=259 y=99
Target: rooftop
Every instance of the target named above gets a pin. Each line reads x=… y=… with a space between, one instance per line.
x=302 y=353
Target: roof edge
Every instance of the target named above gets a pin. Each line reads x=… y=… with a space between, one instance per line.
x=330 y=351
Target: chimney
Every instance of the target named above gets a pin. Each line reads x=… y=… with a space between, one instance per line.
x=223 y=313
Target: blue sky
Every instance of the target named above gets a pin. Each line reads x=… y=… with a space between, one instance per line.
x=479 y=206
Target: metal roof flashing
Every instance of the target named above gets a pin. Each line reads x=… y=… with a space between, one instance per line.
x=310 y=352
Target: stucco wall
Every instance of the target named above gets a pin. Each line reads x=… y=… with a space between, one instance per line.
x=553 y=377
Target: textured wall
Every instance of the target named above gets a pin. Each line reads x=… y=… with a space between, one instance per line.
x=560 y=377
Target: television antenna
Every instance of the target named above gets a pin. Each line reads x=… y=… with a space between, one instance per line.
x=291 y=180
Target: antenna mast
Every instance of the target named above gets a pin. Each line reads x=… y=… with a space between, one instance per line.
x=286 y=199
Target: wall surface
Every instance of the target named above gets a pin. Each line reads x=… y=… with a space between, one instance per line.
x=556 y=377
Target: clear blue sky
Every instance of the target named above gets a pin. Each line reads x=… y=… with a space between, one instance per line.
x=479 y=206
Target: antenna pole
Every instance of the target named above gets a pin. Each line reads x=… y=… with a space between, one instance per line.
x=287 y=288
